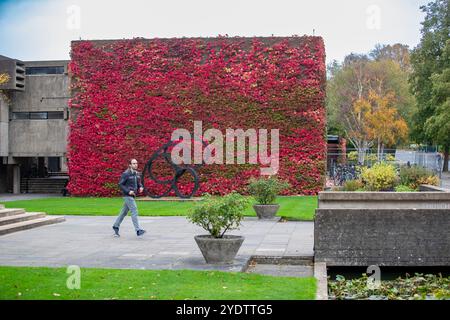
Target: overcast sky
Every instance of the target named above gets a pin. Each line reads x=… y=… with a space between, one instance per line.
x=42 y=30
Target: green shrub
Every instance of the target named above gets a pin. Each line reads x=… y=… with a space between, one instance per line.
x=381 y=177
x=353 y=185
x=417 y=287
x=266 y=190
x=403 y=188
x=219 y=214
x=390 y=157
x=352 y=156
x=415 y=176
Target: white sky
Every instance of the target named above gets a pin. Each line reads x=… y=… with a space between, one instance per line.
x=42 y=30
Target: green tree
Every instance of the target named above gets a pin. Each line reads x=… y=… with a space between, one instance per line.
x=397 y=52
x=429 y=62
x=437 y=127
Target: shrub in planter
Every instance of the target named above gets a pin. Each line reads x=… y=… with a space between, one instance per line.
x=417 y=287
x=390 y=157
x=217 y=216
x=353 y=185
x=380 y=177
x=265 y=192
x=416 y=175
x=431 y=180
x=403 y=188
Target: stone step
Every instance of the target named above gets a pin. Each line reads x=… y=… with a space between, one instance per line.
x=44 y=183
x=24 y=225
x=2 y=206
x=11 y=212
x=43 y=191
x=21 y=217
x=39 y=185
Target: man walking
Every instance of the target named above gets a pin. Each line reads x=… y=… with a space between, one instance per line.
x=129 y=183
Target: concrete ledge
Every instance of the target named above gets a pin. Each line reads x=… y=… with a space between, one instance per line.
x=283 y=260
x=384 y=237
x=320 y=273
x=430 y=188
x=384 y=200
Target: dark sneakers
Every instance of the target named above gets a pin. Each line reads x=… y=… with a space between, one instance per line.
x=140 y=232
x=116 y=231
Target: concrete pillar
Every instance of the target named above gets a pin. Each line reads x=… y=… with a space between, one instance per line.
x=63 y=164
x=4 y=127
x=16 y=179
x=41 y=167
x=3 y=177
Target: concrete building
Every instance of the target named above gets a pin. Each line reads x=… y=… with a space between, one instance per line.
x=33 y=125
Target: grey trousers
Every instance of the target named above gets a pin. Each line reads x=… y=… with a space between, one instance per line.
x=129 y=205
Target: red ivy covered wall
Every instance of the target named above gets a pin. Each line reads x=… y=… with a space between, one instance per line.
x=129 y=95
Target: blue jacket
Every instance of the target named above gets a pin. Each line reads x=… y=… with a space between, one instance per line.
x=130 y=181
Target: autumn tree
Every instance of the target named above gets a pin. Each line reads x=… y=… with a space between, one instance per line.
x=348 y=103
x=4 y=78
x=384 y=124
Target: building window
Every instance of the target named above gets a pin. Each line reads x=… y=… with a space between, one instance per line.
x=44 y=70
x=21 y=115
x=55 y=115
x=38 y=115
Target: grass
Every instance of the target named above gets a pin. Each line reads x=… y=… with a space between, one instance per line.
x=291 y=207
x=22 y=283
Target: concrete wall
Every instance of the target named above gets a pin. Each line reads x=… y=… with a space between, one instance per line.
x=38 y=138
x=384 y=200
x=42 y=93
x=371 y=233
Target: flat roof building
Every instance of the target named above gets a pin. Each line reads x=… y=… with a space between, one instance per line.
x=33 y=125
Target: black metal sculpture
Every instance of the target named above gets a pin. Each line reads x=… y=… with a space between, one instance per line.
x=179 y=170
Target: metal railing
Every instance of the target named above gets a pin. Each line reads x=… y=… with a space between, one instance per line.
x=341 y=167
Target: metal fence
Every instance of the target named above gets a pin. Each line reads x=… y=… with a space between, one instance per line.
x=341 y=167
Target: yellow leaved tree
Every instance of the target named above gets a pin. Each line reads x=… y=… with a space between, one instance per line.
x=385 y=126
x=4 y=78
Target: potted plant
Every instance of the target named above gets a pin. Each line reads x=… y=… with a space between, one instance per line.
x=265 y=192
x=217 y=216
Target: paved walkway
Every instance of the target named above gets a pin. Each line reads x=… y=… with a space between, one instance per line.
x=168 y=244
x=26 y=196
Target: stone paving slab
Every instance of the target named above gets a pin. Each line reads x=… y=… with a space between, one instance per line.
x=169 y=243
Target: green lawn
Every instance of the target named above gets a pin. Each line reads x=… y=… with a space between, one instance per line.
x=98 y=284
x=291 y=208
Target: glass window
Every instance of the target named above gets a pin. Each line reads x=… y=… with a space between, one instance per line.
x=55 y=115
x=38 y=115
x=44 y=70
x=21 y=115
